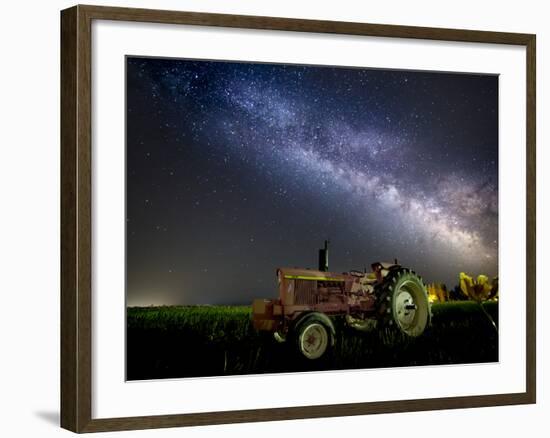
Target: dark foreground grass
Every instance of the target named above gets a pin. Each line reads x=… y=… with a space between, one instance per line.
x=179 y=341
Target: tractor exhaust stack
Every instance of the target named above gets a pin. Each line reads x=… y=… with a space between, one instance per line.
x=323 y=258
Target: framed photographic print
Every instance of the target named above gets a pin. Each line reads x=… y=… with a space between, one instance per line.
x=259 y=202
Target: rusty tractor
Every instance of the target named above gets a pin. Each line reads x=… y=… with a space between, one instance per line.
x=389 y=296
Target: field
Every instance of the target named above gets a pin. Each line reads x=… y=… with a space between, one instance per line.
x=180 y=341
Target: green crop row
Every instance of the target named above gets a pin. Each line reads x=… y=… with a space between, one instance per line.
x=185 y=341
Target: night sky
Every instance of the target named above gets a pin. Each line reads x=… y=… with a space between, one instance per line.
x=235 y=169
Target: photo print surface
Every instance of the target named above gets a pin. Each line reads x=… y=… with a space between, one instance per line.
x=238 y=173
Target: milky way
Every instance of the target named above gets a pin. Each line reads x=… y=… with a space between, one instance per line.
x=234 y=169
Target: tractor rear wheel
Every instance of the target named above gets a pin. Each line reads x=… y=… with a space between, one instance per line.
x=406 y=302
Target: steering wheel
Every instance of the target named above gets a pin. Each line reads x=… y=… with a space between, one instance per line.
x=357 y=273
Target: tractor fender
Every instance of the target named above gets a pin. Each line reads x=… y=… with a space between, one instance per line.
x=321 y=317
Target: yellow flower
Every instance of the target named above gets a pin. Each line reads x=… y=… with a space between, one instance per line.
x=480 y=289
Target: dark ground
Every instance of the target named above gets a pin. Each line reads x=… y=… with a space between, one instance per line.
x=178 y=341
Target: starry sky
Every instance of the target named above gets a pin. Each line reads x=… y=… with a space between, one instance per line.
x=237 y=168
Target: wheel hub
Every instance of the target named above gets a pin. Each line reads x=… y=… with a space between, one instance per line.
x=405 y=308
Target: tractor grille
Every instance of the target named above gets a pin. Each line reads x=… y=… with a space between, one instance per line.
x=305 y=292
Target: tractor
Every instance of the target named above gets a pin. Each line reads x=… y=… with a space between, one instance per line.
x=389 y=296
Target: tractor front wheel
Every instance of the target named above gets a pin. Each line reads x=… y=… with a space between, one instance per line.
x=314 y=335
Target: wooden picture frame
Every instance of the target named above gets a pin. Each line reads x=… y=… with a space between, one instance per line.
x=76 y=218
